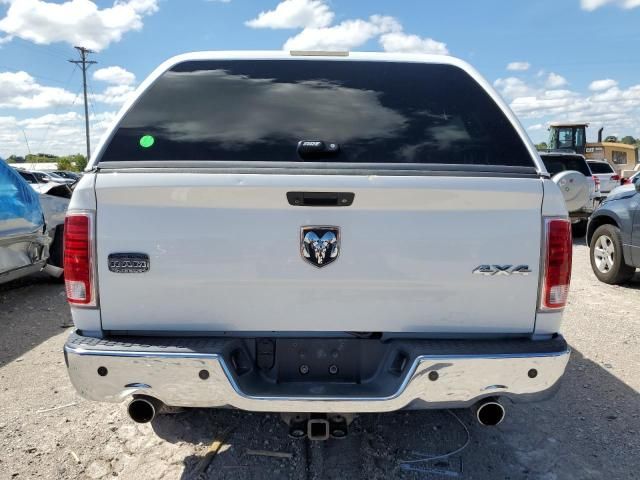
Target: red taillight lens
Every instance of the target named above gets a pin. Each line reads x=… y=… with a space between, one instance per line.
x=78 y=261
x=557 y=264
x=597 y=181
x=615 y=178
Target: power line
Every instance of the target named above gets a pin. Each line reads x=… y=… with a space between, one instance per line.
x=26 y=141
x=40 y=77
x=91 y=101
x=85 y=64
x=41 y=49
x=57 y=109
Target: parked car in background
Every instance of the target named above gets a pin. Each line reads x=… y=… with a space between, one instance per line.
x=42 y=182
x=579 y=187
x=46 y=177
x=31 y=226
x=613 y=235
x=68 y=175
x=633 y=178
x=603 y=171
x=28 y=177
x=627 y=174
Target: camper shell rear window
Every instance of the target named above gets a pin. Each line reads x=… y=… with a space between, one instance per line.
x=317 y=111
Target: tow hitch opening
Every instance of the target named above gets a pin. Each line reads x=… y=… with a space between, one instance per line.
x=318 y=426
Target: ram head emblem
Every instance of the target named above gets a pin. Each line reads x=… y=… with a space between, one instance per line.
x=320 y=245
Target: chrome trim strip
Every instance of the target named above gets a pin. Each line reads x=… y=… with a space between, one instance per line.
x=124 y=353
x=205 y=165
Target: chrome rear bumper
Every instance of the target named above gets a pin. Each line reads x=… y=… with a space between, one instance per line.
x=198 y=373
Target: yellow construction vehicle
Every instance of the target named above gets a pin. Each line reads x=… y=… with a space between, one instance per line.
x=572 y=137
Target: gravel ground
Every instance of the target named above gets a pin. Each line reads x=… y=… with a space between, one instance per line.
x=589 y=430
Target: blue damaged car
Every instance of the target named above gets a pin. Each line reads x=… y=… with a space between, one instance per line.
x=31 y=226
x=613 y=235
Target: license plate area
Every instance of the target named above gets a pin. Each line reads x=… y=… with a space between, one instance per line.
x=320 y=360
x=317 y=367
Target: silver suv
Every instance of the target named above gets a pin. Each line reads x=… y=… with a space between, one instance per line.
x=604 y=172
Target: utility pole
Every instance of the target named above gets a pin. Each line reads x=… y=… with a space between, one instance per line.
x=84 y=63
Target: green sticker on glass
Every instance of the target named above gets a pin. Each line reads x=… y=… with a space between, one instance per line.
x=147 y=141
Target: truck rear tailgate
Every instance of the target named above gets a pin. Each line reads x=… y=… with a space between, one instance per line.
x=225 y=253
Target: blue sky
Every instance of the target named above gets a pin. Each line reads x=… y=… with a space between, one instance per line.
x=570 y=59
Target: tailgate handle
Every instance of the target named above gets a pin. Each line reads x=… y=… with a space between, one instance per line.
x=320 y=199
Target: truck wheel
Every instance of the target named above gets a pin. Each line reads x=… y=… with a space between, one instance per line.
x=607 y=261
x=579 y=229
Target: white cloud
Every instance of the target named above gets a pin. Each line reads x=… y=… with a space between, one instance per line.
x=76 y=22
x=50 y=119
x=20 y=90
x=512 y=87
x=615 y=108
x=10 y=142
x=518 y=66
x=402 y=42
x=598 y=85
x=546 y=102
x=294 y=14
x=555 y=81
x=117 y=75
x=343 y=36
x=114 y=95
x=59 y=134
x=591 y=5
x=315 y=19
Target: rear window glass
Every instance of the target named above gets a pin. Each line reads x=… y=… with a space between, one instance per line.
x=560 y=163
x=341 y=111
x=597 y=167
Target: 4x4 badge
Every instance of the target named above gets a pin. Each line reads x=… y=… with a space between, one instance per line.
x=491 y=270
x=319 y=245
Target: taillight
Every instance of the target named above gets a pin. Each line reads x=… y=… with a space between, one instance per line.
x=597 y=181
x=615 y=178
x=557 y=264
x=78 y=259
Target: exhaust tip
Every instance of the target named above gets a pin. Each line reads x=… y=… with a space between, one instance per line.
x=490 y=413
x=142 y=410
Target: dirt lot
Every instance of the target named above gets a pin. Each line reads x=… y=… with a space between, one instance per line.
x=590 y=430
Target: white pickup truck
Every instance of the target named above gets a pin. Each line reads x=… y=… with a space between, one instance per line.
x=317 y=234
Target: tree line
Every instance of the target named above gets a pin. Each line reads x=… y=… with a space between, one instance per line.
x=73 y=163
